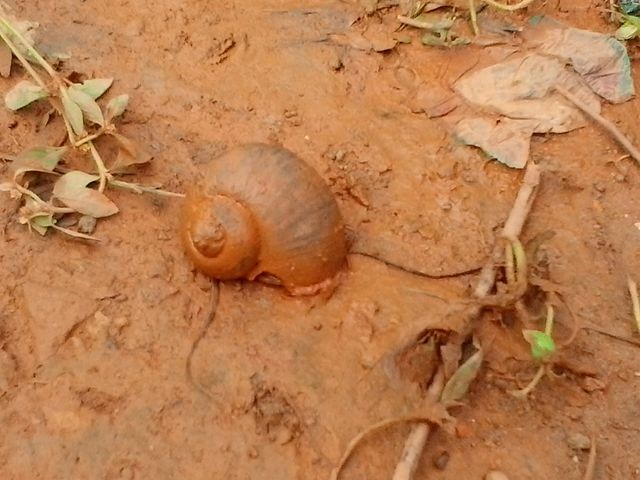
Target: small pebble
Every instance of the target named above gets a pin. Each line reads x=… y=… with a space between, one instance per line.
x=86 y=224
x=496 y=475
x=253 y=453
x=578 y=441
x=441 y=460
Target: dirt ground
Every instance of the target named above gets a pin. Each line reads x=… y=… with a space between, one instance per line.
x=94 y=337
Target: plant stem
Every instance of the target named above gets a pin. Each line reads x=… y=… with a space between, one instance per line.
x=102 y=170
x=522 y=393
x=90 y=138
x=474 y=17
x=633 y=291
x=510 y=264
x=25 y=63
x=43 y=63
x=137 y=188
x=50 y=208
x=509 y=8
x=548 y=326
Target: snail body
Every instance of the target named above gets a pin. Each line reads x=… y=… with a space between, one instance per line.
x=261 y=213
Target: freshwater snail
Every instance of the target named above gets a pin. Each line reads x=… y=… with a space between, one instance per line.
x=261 y=213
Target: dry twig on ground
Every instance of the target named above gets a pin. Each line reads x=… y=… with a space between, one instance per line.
x=511 y=231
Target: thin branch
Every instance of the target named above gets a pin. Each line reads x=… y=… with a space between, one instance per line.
x=43 y=63
x=25 y=63
x=474 y=17
x=137 y=188
x=603 y=122
x=633 y=291
x=509 y=8
x=511 y=231
x=590 y=471
x=419 y=435
x=103 y=173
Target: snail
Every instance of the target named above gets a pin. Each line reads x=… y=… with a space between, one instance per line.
x=261 y=213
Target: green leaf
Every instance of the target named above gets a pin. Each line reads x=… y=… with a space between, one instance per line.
x=96 y=87
x=542 y=345
x=38 y=159
x=458 y=385
x=627 y=31
x=117 y=106
x=41 y=223
x=73 y=114
x=71 y=189
x=632 y=19
x=23 y=94
x=87 y=104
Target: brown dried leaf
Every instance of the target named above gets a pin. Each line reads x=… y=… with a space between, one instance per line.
x=130 y=153
x=71 y=189
x=458 y=385
x=38 y=159
x=6 y=58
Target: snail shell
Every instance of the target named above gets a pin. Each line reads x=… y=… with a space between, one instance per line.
x=260 y=211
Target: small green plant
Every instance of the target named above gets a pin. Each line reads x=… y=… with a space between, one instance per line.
x=542 y=350
x=85 y=121
x=630 y=27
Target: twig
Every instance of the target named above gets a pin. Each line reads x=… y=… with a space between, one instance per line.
x=412 y=22
x=603 y=122
x=103 y=173
x=419 y=435
x=369 y=430
x=511 y=231
x=25 y=63
x=43 y=63
x=633 y=291
x=591 y=463
x=524 y=392
x=474 y=17
x=512 y=228
x=137 y=188
x=509 y=8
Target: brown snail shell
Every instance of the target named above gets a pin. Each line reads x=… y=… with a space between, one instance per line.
x=260 y=211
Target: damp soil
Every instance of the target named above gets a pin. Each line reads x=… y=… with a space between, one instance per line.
x=94 y=336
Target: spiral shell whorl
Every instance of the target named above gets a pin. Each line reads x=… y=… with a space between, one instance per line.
x=289 y=219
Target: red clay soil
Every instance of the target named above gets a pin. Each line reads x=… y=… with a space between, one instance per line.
x=94 y=336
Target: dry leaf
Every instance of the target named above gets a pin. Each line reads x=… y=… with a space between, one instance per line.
x=6 y=57
x=117 y=106
x=130 y=153
x=71 y=189
x=23 y=94
x=458 y=385
x=38 y=159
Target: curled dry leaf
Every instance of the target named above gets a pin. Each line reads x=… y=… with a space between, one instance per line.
x=71 y=189
x=6 y=58
x=458 y=385
x=23 y=94
x=38 y=159
x=88 y=105
x=73 y=113
x=130 y=153
x=117 y=106
x=96 y=87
